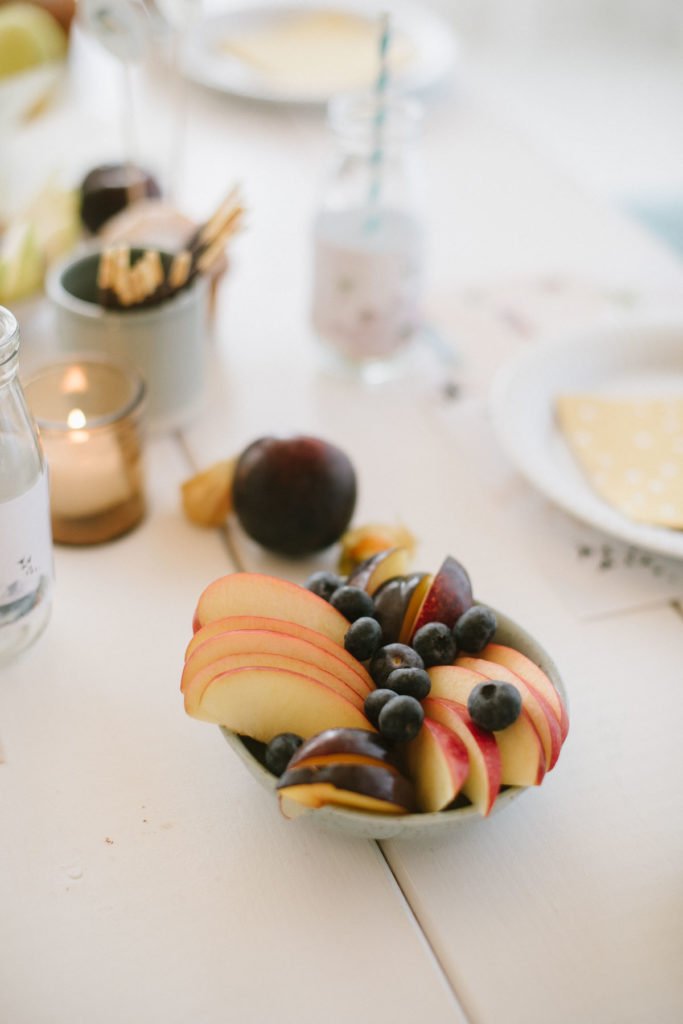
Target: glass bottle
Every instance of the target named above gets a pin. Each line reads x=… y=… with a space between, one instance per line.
x=368 y=232
x=25 y=540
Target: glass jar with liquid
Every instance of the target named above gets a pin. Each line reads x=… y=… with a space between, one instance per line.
x=368 y=232
x=26 y=571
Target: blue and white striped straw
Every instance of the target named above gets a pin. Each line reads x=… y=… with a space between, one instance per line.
x=377 y=156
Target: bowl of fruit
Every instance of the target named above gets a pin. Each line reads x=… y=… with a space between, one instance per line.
x=384 y=703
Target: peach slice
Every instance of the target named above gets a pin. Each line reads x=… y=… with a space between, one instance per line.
x=522 y=760
x=537 y=707
x=483 y=780
x=257 y=642
x=252 y=593
x=358 y=787
x=532 y=674
x=312 y=636
x=196 y=685
x=438 y=764
x=262 y=702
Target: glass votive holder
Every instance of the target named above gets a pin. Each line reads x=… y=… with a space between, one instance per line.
x=89 y=412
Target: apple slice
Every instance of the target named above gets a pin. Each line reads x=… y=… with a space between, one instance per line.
x=416 y=600
x=252 y=593
x=357 y=787
x=438 y=764
x=257 y=642
x=532 y=674
x=235 y=622
x=522 y=760
x=371 y=574
x=483 y=780
x=262 y=702
x=541 y=714
x=196 y=685
x=448 y=597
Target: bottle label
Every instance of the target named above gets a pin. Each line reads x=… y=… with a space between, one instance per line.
x=25 y=545
x=367 y=282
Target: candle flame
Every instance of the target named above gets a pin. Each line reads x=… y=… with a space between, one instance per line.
x=76 y=419
x=74 y=381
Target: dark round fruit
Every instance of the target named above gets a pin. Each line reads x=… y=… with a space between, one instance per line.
x=390 y=657
x=475 y=629
x=493 y=705
x=108 y=189
x=353 y=603
x=401 y=719
x=409 y=682
x=435 y=644
x=294 y=496
x=375 y=701
x=280 y=751
x=363 y=638
x=324 y=584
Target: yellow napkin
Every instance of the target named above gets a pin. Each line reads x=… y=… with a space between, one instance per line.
x=315 y=50
x=631 y=450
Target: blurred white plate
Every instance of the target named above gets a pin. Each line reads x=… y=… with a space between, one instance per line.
x=638 y=358
x=285 y=53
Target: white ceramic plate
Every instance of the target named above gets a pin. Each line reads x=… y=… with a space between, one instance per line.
x=367 y=825
x=214 y=53
x=634 y=358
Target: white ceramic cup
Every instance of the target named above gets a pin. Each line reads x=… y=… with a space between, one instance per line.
x=167 y=343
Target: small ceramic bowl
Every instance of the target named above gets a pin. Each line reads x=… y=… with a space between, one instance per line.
x=408 y=826
x=167 y=343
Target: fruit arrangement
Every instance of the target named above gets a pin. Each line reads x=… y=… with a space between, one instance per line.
x=384 y=691
x=292 y=495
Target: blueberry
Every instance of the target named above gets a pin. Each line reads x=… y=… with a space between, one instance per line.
x=390 y=657
x=401 y=719
x=493 y=706
x=435 y=644
x=324 y=584
x=363 y=638
x=475 y=629
x=352 y=602
x=280 y=751
x=375 y=701
x=409 y=682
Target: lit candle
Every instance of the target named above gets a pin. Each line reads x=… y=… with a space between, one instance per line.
x=89 y=419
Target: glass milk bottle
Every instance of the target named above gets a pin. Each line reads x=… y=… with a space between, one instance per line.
x=25 y=539
x=367 y=276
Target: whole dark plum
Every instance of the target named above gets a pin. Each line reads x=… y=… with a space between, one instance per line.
x=110 y=188
x=294 y=495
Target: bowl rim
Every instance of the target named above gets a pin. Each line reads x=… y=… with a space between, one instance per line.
x=420 y=821
x=63 y=299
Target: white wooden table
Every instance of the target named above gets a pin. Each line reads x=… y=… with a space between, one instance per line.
x=144 y=876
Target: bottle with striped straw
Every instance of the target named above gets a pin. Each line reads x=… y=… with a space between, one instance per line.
x=367 y=234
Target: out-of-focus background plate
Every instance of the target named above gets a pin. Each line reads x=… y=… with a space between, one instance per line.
x=638 y=358
x=283 y=53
